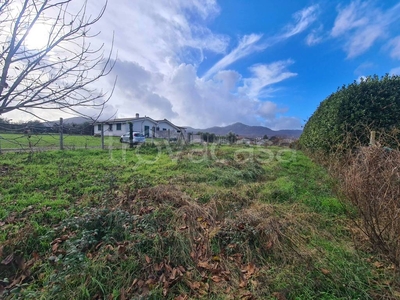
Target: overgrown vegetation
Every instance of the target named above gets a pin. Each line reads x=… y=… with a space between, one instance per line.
x=365 y=166
x=175 y=222
x=347 y=116
x=371 y=182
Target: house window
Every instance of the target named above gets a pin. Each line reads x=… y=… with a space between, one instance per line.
x=99 y=127
x=158 y=128
x=165 y=129
x=119 y=126
x=110 y=127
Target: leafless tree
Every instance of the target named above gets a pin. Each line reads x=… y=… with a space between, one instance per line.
x=58 y=74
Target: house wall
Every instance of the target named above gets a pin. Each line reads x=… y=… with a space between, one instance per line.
x=114 y=131
x=138 y=125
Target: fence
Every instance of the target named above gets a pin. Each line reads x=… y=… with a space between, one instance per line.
x=36 y=136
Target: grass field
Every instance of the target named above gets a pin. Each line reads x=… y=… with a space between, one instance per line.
x=43 y=141
x=172 y=222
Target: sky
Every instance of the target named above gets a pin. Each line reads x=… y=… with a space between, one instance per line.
x=204 y=63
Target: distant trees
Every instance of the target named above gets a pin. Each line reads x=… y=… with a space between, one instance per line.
x=37 y=127
x=347 y=115
x=232 y=138
x=57 y=74
x=207 y=137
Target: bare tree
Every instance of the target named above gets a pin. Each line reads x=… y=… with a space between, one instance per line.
x=58 y=74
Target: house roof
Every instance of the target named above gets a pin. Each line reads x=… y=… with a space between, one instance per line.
x=171 y=124
x=134 y=119
x=123 y=120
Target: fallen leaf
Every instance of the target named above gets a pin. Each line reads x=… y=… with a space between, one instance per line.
x=216 y=258
x=242 y=283
x=194 y=285
x=279 y=296
x=325 y=271
x=54 y=248
x=378 y=265
x=8 y=259
x=216 y=278
x=204 y=265
x=173 y=275
x=182 y=269
x=269 y=245
x=148 y=260
x=122 y=294
x=247 y=295
x=121 y=249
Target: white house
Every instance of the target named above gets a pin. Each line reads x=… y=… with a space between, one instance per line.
x=146 y=125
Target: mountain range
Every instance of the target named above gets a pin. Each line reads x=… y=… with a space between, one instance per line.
x=248 y=131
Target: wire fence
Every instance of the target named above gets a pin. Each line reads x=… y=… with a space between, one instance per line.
x=37 y=136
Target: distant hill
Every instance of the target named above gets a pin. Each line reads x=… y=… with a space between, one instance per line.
x=248 y=131
x=73 y=120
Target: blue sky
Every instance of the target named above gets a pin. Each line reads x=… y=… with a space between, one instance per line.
x=205 y=63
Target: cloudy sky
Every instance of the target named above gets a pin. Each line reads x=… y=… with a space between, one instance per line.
x=204 y=63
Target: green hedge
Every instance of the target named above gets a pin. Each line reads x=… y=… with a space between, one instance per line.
x=347 y=116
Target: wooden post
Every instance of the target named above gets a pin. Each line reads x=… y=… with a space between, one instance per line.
x=130 y=135
x=61 y=134
x=372 y=140
x=102 y=136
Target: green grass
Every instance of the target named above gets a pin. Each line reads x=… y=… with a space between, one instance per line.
x=10 y=141
x=111 y=223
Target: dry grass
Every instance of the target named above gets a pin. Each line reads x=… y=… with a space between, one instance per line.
x=371 y=182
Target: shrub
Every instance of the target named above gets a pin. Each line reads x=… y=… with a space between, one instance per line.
x=371 y=182
x=374 y=101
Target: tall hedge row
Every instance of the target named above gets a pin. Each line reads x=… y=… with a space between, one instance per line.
x=353 y=110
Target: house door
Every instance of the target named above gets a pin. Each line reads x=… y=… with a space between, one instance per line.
x=146 y=131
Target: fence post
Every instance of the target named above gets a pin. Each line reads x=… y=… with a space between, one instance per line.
x=131 y=134
x=102 y=136
x=372 y=138
x=61 y=134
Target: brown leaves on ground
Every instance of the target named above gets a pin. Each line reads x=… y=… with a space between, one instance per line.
x=161 y=274
x=16 y=269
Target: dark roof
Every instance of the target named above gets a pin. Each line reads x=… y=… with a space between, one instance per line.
x=122 y=120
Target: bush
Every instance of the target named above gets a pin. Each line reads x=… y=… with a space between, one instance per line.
x=371 y=182
x=374 y=101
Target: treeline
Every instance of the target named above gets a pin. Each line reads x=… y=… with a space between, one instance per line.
x=37 y=127
x=212 y=137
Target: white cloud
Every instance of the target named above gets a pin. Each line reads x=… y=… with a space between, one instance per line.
x=247 y=45
x=394 y=44
x=265 y=75
x=395 y=71
x=303 y=19
x=315 y=36
x=350 y=17
x=281 y=123
x=252 y=43
x=361 y=24
x=159 y=34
